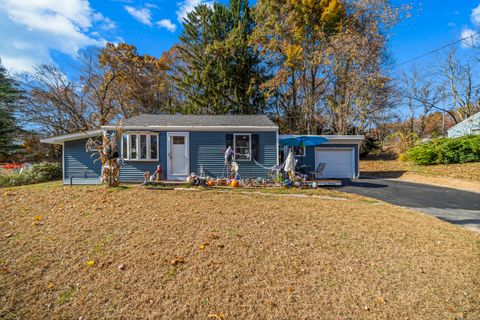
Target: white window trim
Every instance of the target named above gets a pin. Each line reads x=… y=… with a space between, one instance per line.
x=249 y=145
x=149 y=143
x=301 y=155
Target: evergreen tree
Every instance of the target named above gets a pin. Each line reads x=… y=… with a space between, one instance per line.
x=219 y=71
x=8 y=96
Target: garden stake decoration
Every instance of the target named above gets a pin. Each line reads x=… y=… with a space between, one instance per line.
x=107 y=153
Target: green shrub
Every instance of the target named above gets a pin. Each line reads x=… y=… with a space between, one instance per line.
x=41 y=172
x=446 y=150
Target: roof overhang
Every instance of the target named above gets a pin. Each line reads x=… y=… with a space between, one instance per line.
x=194 y=128
x=72 y=136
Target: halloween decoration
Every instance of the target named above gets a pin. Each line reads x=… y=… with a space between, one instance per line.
x=107 y=153
x=146 y=177
x=234 y=169
x=158 y=173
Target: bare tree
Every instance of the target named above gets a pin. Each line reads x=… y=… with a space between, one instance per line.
x=53 y=103
x=98 y=87
x=447 y=86
x=422 y=96
x=462 y=88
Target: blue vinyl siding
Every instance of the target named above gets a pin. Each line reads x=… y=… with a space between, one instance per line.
x=132 y=171
x=78 y=163
x=207 y=149
x=309 y=158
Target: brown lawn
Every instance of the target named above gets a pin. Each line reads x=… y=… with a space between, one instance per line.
x=157 y=254
x=395 y=168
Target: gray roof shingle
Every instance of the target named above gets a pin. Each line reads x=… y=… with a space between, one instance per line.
x=148 y=120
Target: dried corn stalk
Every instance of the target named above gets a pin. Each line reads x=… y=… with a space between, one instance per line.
x=106 y=151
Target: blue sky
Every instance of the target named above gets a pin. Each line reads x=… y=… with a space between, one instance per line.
x=43 y=31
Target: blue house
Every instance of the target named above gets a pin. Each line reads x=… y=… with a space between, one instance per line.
x=182 y=144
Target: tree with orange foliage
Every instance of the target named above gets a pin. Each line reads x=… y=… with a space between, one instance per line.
x=141 y=84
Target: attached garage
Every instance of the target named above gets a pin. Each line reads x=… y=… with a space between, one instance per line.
x=339 y=162
x=340 y=155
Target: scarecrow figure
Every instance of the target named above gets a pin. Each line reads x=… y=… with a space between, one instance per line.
x=108 y=155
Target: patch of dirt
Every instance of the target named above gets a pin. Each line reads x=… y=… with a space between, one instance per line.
x=134 y=253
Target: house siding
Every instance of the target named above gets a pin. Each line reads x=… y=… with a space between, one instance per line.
x=309 y=158
x=207 y=149
x=132 y=171
x=466 y=127
x=78 y=163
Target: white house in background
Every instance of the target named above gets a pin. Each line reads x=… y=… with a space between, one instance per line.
x=466 y=127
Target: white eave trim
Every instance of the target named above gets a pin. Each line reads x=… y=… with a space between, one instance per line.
x=194 y=128
x=72 y=136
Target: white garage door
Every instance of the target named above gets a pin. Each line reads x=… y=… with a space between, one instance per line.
x=339 y=162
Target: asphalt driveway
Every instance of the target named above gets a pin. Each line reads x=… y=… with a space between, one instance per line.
x=458 y=207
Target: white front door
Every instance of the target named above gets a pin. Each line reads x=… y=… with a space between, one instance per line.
x=178 y=155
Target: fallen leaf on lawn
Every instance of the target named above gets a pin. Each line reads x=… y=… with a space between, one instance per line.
x=214 y=236
x=203 y=246
x=381 y=300
x=38 y=217
x=177 y=261
x=90 y=263
x=219 y=316
x=50 y=285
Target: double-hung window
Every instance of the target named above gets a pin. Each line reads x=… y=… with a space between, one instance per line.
x=140 y=146
x=242 y=145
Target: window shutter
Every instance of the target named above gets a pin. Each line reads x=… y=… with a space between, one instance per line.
x=255 y=147
x=229 y=140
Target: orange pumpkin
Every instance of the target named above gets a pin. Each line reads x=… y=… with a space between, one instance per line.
x=235 y=183
x=211 y=183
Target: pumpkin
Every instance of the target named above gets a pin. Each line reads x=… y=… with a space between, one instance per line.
x=235 y=183
x=210 y=183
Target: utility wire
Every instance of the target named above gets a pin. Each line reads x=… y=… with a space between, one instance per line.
x=438 y=49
